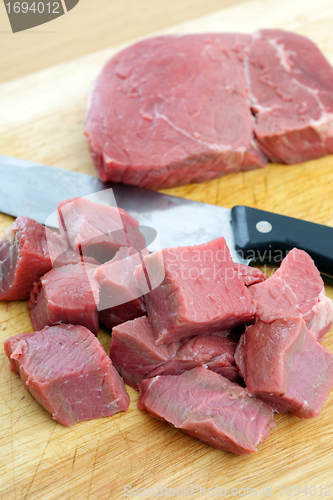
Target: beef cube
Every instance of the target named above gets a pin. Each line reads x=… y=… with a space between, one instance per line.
x=120 y=295
x=10 y=346
x=134 y=353
x=295 y=288
x=121 y=314
x=291 y=94
x=67 y=371
x=250 y=275
x=209 y=407
x=25 y=257
x=136 y=356
x=97 y=230
x=67 y=294
x=70 y=257
x=215 y=351
x=200 y=292
x=282 y=363
x=172 y=110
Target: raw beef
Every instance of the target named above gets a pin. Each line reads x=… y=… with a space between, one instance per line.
x=291 y=94
x=70 y=257
x=283 y=364
x=295 y=288
x=120 y=297
x=10 y=346
x=209 y=407
x=68 y=294
x=172 y=110
x=215 y=351
x=201 y=292
x=136 y=356
x=67 y=371
x=177 y=109
x=134 y=353
x=97 y=230
x=120 y=314
x=25 y=257
x=249 y=275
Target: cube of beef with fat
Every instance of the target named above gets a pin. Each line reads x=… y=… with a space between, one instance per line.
x=282 y=363
x=67 y=294
x=296 y=288
x=201 y=292
x=67 y=371
x=209 y=407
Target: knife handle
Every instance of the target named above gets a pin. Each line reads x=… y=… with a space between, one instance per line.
x=267 y=237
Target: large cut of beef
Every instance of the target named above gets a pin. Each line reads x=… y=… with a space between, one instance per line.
x=67 y=371
x=296 y=288
x=209 y=407
x=136 y=356
x=68 y=294
x=201 y=292
x=25 y=256
x=291 y=94
x=282 y=363
x=171 y=110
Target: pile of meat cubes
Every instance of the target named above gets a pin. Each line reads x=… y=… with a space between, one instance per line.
x=214 y=347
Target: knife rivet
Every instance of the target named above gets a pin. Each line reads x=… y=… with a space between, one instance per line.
x=264 y=226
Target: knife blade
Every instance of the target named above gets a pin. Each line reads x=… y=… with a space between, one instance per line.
x=252 y=235
x=34 y=190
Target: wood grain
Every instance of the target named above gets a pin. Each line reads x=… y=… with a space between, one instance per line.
x=91 y=27
x=42 y=119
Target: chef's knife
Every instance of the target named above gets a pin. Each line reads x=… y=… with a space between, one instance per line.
x=253 y=235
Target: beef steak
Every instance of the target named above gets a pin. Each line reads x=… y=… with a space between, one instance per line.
x=172 y=110
x=291 y=94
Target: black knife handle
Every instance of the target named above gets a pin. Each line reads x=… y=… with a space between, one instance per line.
x=266 y=237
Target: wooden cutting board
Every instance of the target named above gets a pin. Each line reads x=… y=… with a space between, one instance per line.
x=42 y=120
